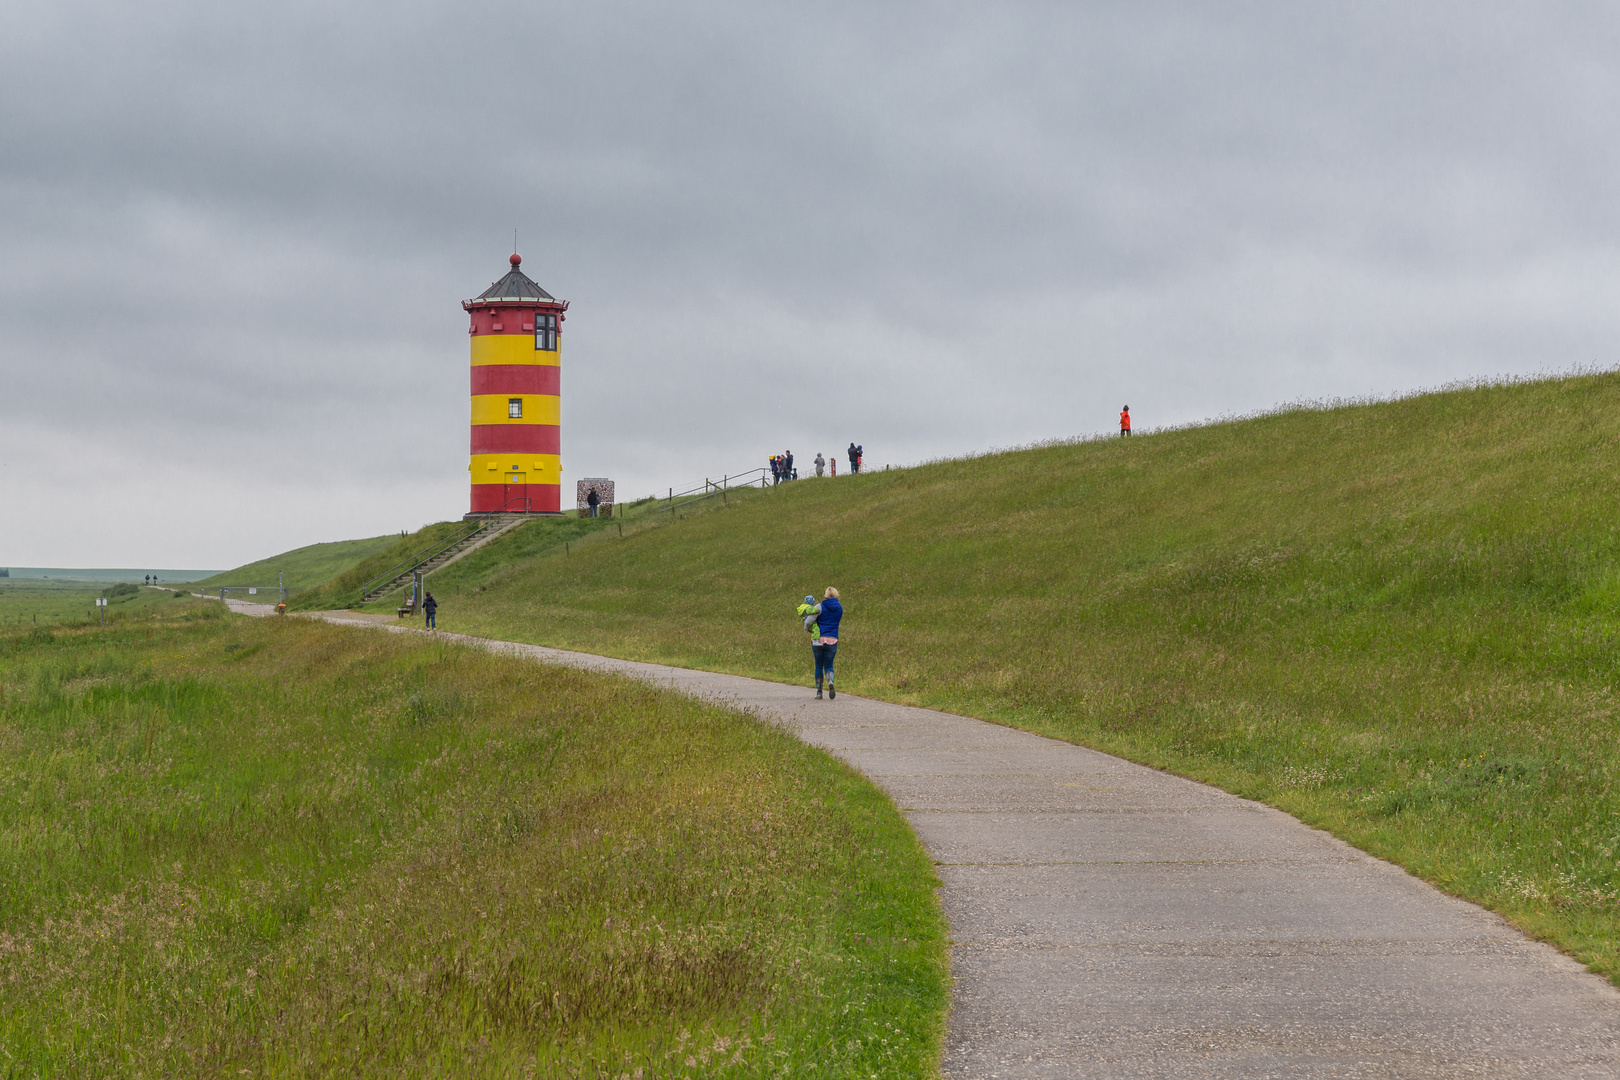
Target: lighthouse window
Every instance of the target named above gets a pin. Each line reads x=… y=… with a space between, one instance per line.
x=514 y=408
x=545 y=332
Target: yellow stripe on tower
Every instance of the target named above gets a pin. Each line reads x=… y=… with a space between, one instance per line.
x=541 y=468
x=496 y=409
x=511 y=349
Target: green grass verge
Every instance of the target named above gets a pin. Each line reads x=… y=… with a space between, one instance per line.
x=277 y=847
x=306 y=567
x=1398 y=621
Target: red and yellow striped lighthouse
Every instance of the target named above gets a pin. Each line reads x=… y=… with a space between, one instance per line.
x=516 y=396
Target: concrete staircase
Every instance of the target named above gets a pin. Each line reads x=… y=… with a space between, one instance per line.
x=471 y=537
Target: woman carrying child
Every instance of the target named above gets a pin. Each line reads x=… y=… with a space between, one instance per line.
x=822 y=621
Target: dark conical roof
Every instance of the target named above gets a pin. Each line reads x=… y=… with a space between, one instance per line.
x=516 y=285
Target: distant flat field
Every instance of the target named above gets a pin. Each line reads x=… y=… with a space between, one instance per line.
x=52 y=602
x=102 y=574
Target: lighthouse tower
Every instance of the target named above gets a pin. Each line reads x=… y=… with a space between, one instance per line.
x=516 y=397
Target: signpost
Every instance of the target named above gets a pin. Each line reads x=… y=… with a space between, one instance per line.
x=101 y=607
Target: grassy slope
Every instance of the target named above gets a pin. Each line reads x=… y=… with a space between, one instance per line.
x=343 y=589
x=305 y=567
x=277 y=847
x=487 y=564
x=492 y=564
x=1397 y=621
x=524 y=542
x=329 y=576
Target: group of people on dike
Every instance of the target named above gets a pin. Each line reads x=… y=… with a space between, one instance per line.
x=782 y=464
x=821 y=621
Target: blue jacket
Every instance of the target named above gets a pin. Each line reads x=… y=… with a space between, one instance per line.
x=831 y=612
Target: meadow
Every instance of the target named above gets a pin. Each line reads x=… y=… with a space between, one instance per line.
x=282 y=848
x=50 y=602
x=1396 y=620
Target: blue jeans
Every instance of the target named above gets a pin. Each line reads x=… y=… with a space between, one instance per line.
x=824 y=660
x=432 y=625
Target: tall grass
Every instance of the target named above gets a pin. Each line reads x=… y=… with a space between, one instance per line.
x=276 y=847
x=1397 y=620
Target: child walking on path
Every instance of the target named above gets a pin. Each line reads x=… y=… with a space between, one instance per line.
x=822 y=621
x=1125 y=421
x=430 y=608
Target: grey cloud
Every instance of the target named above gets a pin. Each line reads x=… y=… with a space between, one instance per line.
x=930 y=228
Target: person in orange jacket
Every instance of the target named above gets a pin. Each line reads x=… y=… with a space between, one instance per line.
x=1125 y=421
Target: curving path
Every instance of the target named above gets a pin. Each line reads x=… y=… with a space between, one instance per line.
x=1111 y=920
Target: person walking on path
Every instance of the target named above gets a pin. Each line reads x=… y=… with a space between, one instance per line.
x=824 y=635
x=821 y=463
x=1125 y=422
x=787 y=465
x=430 y=608
x=593 y=500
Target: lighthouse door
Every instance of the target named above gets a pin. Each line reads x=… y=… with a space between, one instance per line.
x=516 y=489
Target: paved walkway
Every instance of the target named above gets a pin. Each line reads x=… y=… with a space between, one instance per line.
x=1110 y=920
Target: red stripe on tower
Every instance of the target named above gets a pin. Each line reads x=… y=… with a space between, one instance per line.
x=511 y=497
x=517 y=379
x=515 y=438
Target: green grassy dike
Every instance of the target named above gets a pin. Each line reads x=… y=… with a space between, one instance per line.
x=303 y=568
x=282 y=848
x=1399 y=621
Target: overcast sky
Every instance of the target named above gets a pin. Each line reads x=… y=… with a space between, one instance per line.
x=235 y=238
